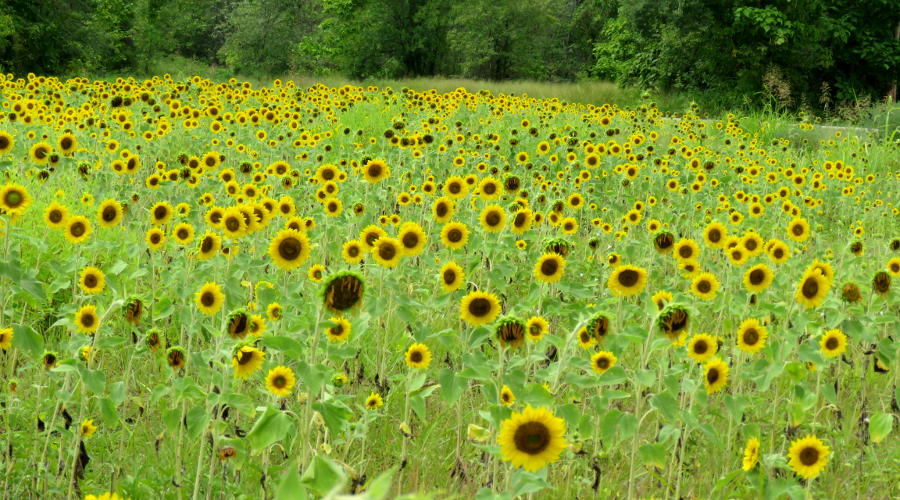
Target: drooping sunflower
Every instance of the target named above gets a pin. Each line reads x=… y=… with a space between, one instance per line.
x=510 y=332
x=78 y=229
x=387 y=252
x=851 y=293
x=598 y=327
x=479 y=308
x=881 y=283
x=663 y=242
x=86 y=319
x=673 y=320
x=758 y=278
x=155 y=238
x=454 y=235
x=751 y=336
x=833 y=343
x=343 y=291
x=532 y=439
x=109 y=213
x=751 y=454
x=92 y=280
x=238 y=324
x=715 y=375
x=280 y=381
x=246 y=361
x=701 y=347
x=340 y=331
x=412 y=238
x=55 y=215
x=705 y=286
x=451 y=276
x=812 y=289
x=134 y=309
x=14 y=199
x=549 y=268
x=602 y=361
x=289 y=249
x=537 y=327
x=210 y=299
x=176 y=357
x=492 y=218
x=626 y=281
x=808 y=456
x=418 y=356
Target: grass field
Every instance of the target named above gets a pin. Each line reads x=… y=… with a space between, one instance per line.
x=217 y=289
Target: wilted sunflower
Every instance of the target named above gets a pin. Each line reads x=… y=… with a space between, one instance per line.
x=92 y=280
x=454 y=235
x=881 y=283
x=812 y=289
x=418 y=356
x=176 y=358
x=289 y=249
x=705 y=286
x=715 y=375
x=78 y=229
x=758 y=278
x=387 y=252
x=510 y=332
x=663 y=242
x=280 y=381
x=238 y=324
x=701 y=347
x=210 y=299
x=751 y=336
x=343 y=291
x=626 y=281
x=851 y=293
x=109 y=213
x=808 y=456
x=246 y=361
x=537 y=327
x=451 y=276
x=673 y=320
x=833 y=343
x=532 y=439
x=479 y=308
x=602 y=361
x=549 y=268
x=598 y=327
x=751 y=454
x=86 y=319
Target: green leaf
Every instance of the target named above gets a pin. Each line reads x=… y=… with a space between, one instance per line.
x=323 y=476
x=379 y=487
x=452 y=385
x=108 y=412
x=524 y=483
x=270 y=427
x=335 y=413
x=197 y=420
x=666 y=405
x=25 y=338
x=94 y=380
x=286 y=345
x=653 y=455
x=880 y=425
x=291 y=487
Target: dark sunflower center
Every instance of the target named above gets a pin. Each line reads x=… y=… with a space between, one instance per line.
x=109 y=214
x=704 y=286
x=206 y=245
x=488 y=188
x=208 y=299
x=155 y=237
x=344 y=292
x=65 y=143
x=751 y=336
x=160 y=213
x=480 y=307
x=279 y=382
x=232 y=224
x=182 y=234
x=441 y=209
x=832 y=343
x=77 y=230
x=454 y=235
x=809 y=456
x=4 y=142
x=449 y=276
x=387 y=251
x=290 y=248
x=416 y=356
x=40 y=153
x=245 y=357
x=13 y=198
x=797 y=229
x=90 y=281
x=532 y=438
x=737 y=255
x=492 y=218
x=757 y=276
x=602 y=363
x=810 y=287
x=700 y=347
x=628 y=278
x=454 y=188
x=55 y=216
x=778 y=253
x=751 y=244
x=520 y=220
x=410 y=240
x=712 y=376
x=87 y=320
x=332 y=207
x=549 y=267
x=353 y=251
x=374 y=170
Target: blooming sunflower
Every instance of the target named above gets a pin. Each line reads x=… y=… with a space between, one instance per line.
x=701 y=347
x=387 y=252
x=798 y=229
x=454 y=235
x=451 y=276
x=537 y=327
x=109 y=213
x=751 y=454
x=686 y=250
x=210 y=299
x=280 y=381
x=374 y=401
x=161 y=213
x=6 y=336
x=715 y=235
x=246 y=361
x=289 y=249
x=210 y=245
x=758 y=278
x=549 y=268
x=479 y=308
x=55 y=215
x=352 y=252
x=14 y=199
x=418 y=356
x=78 y=229
x=833 y=343
x=507 y=398
x=412 y=239
x=812 y=289
x=340 y=331
x=86 y=319
x=626 y=281
x=602 y=361
x=155 y=238
x=705 y=286
x=751 y=336
x=92 y=280
x=492 y=218
x=532 y=439
x=715 y=375
x=808 y=456
x=88 y=428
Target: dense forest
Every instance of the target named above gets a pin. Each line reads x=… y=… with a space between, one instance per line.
x=806 y=53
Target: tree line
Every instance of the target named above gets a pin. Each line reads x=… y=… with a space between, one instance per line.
x=802 y=52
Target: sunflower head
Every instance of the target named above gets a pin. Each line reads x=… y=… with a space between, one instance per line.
x=673 y=320
x=479 y=308
x=532 y=439
x=343 y=291
x=808 y=456
x=418 y=356
x=510 y=332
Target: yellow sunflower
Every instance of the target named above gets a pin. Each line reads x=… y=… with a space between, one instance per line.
x=14 y=199
x=452 y=276
x=549 y=268
x=812 y=289
x=92 y=280
x=479 y=308
x=210 y=299
x=808 y=456
x=705 y=286
x=418 y=356
x=751 y=336
x=387 y=252
x=507 y=398
x=532 y=439
x=280 y=381
x=715 y=375
x=751 y=454
x=246 y=361
x=602 y=361
x=109 y=213
x=55 y=215
x=86 y=319
x=701 y=347
x=289 y=249
x=492 y=218
x=78 y=229
x=339 y=331
x=626 y=281
x=374 y=401
x=833 y=343
x=454 y=235
x=758 y=278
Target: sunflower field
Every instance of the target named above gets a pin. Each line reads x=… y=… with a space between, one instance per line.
x=214 y=290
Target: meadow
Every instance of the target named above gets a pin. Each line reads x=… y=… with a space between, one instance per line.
x=218 y=289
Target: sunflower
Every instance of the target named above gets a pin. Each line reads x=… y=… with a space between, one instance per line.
x=752 y=243
x=715 y=235
x=507 y=398
x=49 y=359
x=280 y=381
x=626 y=281
x=751 y=454
x=374 y=401
x=808 y=456
x=811 y=289
x=40 y=153
x=598 y=327
x=532 y=439
x=701 y=347
x=92 y=280
x=779 y=252
x=443 y=209
x=7 y=142
x=686 y=250
x=238 y=324
x=715 y=375
x=585 y=339
x=737 y=256
x=549 y=268
x=161 y=213
x=86 y=319
x=833 y=343
x=274 y=311
x=663 y=242
x=78 y=229
x=451 y=276
x=55 y=215
x=387 y=252
x=705 y=286
x=521 y=221
x=183 y=233
x=343 y=291
x=510 y=332
x=176 y=357
x=492 y=218
x=798 y=229
x=340 y=331
x=370 y=235
x=673 y=321
x=751 y=336
x=233 y=223
x=210 y=245
x=246 y=361
x=257 y=325
x=537 y=327
x=454 y=235
x=881 y=283
x=289 y=249
x=67 y=144
x=418 y=356
x=134 y=309
x=109 y=213
x=479 y=308
x=6 y=336
x=412 y=238
x=758 y=278
x=155 y=238
x=88 y=428
x=14 y=199
x=602 y=361
x=352 y=252
x=210 y=299
x=375 y=171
